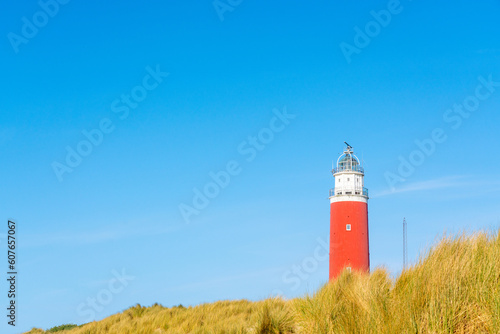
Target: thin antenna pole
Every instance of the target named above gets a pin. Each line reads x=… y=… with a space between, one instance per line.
x=405 y=250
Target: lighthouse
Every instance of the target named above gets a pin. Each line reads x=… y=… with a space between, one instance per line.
x=348 y=217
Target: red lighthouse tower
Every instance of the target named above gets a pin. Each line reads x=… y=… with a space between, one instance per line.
x=348 y=217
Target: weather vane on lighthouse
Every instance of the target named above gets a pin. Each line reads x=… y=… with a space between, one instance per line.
x=348 y=216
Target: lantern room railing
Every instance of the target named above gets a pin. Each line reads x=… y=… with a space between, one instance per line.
x=342 y=192
x=356 y=168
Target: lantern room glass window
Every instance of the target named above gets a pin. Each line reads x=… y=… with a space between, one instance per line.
x=348 y=162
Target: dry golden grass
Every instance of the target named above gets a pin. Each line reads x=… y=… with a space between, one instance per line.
x=454 y=288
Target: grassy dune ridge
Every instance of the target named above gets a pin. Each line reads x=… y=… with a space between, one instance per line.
x=453 y=288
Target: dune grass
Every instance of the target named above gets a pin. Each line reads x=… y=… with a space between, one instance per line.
x=453 y=288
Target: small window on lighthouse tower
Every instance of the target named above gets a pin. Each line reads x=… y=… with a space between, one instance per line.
x=348 y=227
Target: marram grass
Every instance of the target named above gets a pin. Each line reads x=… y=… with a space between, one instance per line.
x=453 y=288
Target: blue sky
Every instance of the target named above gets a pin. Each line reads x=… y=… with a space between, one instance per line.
x=117 y=211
